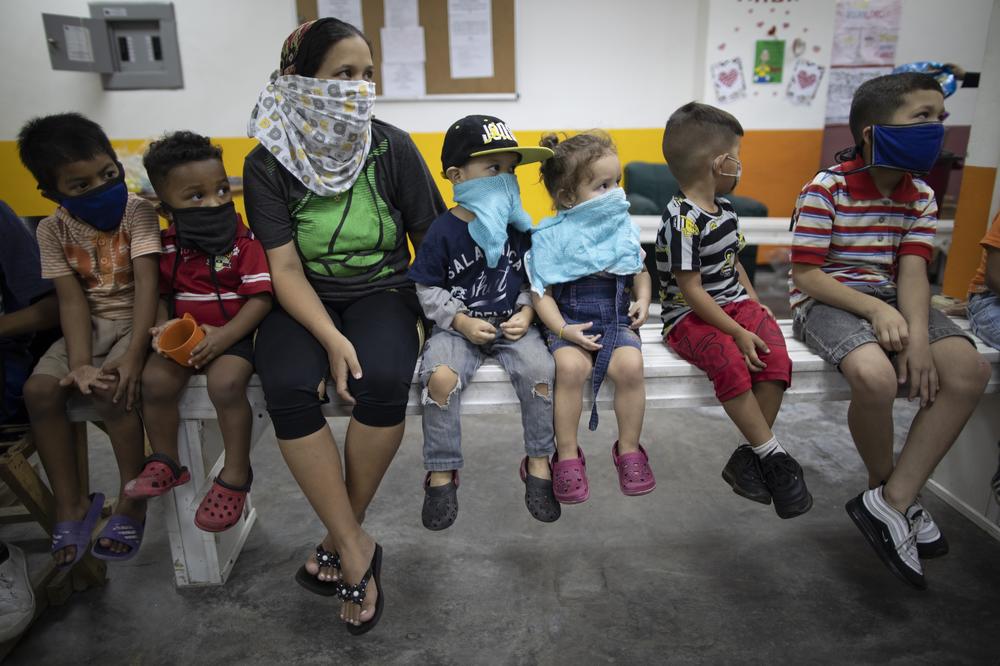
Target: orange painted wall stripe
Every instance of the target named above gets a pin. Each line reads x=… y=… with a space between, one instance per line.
x=776 y=165
x=971 y=221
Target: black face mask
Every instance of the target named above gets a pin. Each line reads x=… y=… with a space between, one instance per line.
x=208 y=229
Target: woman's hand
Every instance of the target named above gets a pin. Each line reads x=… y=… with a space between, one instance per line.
x=343 y=360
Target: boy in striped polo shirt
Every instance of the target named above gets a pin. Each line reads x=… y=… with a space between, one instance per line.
x=711 y=315
x=861 y=300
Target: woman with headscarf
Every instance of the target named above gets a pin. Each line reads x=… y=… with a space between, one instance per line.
x=333 y=193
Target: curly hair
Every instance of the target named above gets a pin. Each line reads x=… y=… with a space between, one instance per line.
x=173 y=150
x=571 y=161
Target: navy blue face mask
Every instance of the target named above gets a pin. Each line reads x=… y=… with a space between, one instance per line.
x=101 y=207
x=910 y=148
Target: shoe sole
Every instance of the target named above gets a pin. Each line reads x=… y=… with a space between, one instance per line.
x=731 y=480
x=579 y=500
x=637 y=493
x=796 y=510
x=873 y=536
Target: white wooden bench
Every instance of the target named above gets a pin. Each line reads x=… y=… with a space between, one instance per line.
x=201 y=558
x=772 y=230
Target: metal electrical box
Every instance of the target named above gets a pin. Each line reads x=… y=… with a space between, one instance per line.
x=133 y=46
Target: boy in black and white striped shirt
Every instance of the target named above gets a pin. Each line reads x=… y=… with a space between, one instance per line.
x=711 y=316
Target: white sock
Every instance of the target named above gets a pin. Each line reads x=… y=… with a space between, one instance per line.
x=768 y=447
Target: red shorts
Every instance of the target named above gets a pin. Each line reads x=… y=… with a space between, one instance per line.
x=711 y=350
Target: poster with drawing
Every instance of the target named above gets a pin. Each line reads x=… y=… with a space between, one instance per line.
x=727 y=78
x=843 y=82
x=769 y=57
x=804 y=82
x=865 y=32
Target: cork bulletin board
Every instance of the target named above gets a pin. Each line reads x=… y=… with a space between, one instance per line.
x=433 y=17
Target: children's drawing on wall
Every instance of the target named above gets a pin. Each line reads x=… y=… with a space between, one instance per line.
x=768 y=61
x=843 y=82
x=727 y=78
x=866 y=32
x=804 y=82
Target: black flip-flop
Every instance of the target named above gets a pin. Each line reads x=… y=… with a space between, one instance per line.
x=356 y=594
x=324 y=558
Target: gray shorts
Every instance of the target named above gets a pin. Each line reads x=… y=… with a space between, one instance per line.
x=832 y=333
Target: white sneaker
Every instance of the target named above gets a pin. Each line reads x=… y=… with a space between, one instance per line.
x=890 y=534
x=930 y=541
x=17 y=598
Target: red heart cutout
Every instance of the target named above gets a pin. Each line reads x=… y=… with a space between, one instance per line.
x=785 y=25
x=816 y=49
x=760 y=24
x=772 y=31
x=722 y=46
x=729 y=78
x=806 y=80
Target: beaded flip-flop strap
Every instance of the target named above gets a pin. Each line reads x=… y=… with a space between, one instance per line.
x=327 y=558
x=355 y=593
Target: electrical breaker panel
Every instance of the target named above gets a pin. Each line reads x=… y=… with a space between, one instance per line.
x=132 y=45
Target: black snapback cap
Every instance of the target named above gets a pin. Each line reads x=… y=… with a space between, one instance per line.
x=473 y=136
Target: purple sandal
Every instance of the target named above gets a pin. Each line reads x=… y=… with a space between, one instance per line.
x=77 y=532
x=123 y=530
x=569 y=479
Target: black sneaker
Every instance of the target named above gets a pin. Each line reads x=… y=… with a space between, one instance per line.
x=890 y=534
x=440 y=503
x=930 y=542
x=743 y=473
x=783 y=477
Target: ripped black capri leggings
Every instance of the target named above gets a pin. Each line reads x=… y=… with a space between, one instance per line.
x=291 y=362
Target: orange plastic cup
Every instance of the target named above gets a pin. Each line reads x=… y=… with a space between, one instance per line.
x=178 y=339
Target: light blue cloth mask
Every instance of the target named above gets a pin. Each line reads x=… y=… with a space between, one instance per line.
x=496 y=202
x=597 y=235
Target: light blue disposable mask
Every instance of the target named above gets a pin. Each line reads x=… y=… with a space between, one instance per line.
x=496 y=202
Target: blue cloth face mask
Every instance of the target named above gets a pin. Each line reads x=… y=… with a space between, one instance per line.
x=101 y=207
x=593 y=236
x=496 y=202
x=911 y=148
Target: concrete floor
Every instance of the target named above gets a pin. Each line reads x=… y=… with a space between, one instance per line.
x=691 y=573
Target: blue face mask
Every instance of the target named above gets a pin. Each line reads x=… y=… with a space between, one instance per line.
x=496 y=202
x=911 y=148
x=101 y=207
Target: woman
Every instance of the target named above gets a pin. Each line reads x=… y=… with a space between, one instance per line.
x=332 y=195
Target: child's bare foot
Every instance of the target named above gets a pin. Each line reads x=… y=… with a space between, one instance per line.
x=440 y=478
x=235 y=475
x=134 y=509
x=356 y=558
x=538 y=467
x=326 y=573
x=73 y=512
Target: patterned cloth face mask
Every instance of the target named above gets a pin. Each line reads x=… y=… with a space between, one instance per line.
x=319 y=129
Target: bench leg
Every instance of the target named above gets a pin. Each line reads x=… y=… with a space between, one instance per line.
x=199 y=557
x=963 y=477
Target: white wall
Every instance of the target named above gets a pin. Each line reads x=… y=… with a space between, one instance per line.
x=733 y=31
x=954 y=31
x=228 y=48
x=584 y=64
x=589 y=63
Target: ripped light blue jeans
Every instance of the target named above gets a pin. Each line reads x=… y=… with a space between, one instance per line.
x=529 y=365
